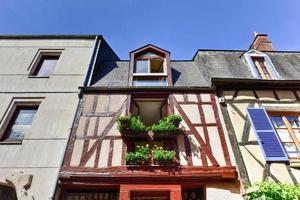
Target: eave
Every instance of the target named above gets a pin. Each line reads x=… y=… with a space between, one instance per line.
x=92 y=89
x=49 y=36
x=228 y=83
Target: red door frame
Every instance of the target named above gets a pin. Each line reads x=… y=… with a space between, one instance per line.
x=125 y=189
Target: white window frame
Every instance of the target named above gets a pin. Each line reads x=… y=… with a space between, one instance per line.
x=149 y=68
x=247 y=57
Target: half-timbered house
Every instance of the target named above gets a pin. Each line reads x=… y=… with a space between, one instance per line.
x=150 y=86
x=259 y=91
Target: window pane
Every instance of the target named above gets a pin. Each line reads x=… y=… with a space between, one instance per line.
x=21 y=123
x=141 y=66
x=46 y=65
x=297 y=132
x=291 y=150
x=7 y=193
x=284 y=135
x=149 y=82
x=278 y=122
x=157 y=65
x=293 y=120
x=25 y=117
x=18 y=132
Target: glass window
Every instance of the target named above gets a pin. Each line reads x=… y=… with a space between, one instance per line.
x=141 y=66
x=288 y=130
x=21 y=122
x=157 y=65
x=7 y=193
x=261 y=67
x=192 y=194
x=147 y=81
x=91 y=195
x=46 y=66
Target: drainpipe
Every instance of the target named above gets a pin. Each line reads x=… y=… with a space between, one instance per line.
x=86 y=82
x=91 y=66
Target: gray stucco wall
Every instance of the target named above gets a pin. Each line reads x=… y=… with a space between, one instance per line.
x=42 y=149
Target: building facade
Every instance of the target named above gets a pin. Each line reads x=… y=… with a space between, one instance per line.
x=78 y=123
x=151 y=86
x=260 y=105
x=40 y=76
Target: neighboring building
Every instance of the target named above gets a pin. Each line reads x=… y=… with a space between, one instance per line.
x=259 y=91
x=151 y=86
x=40 y=76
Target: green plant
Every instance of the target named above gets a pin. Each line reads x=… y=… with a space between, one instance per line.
x=132 y=123
x=141 y=154
x=161 y=155
x=167 y=124
x=276 y=191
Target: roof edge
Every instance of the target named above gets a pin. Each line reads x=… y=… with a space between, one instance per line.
x=226 y=83
x=133 y=88
x=50 y=36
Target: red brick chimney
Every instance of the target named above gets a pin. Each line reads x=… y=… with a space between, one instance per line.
x=261 y=42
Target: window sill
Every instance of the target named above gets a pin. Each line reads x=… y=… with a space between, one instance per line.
x=150 y=74
x=11 y=142
x=31 y=76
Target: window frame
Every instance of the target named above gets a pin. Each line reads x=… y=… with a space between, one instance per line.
x=164 y=73
x=9 y=115
x=36 y=62
x=289 y=128
x=155 y=53
x=248 y=59
x=149 y=97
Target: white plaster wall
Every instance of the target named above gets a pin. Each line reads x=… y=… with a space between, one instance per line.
x=251 y=153
x=223 y=191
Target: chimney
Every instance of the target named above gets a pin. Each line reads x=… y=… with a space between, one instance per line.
x=261 y=42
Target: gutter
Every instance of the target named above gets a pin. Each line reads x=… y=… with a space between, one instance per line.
x=229 y=83
x=143 y=89
x=91 y=65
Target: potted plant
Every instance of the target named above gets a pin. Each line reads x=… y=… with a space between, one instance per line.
x=168 y=125
x=131 y=125
x=139 y=157
x=162 y=156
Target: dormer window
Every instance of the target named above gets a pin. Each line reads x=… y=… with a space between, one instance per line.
x=260 y=65
x=149 y=67
x=153 y=65
x=262 y=68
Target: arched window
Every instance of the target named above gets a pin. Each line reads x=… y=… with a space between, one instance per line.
x=7 y=193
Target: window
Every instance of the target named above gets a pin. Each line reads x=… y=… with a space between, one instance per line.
x=7 y=193
x=20 y=123
x=192 y=194
x=260 y=65
x=287 y=126
x=153 y=65
x=45 y=66
x=150 y=110
x=94 y=195
x=149 y=66
x=262 y=68
x=44 y=62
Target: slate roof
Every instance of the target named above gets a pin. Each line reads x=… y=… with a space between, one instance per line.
x=205 y=65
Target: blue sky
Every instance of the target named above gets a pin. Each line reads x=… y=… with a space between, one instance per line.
x=180 y=26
